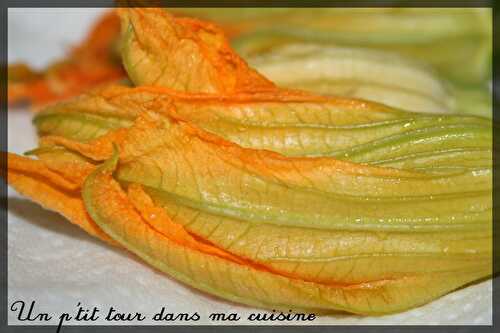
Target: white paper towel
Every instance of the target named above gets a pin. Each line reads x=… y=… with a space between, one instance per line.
x=59 y=265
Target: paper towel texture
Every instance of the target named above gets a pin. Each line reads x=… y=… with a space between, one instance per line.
x=58 y=265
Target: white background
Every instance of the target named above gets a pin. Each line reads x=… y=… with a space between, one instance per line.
x=58 y=265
